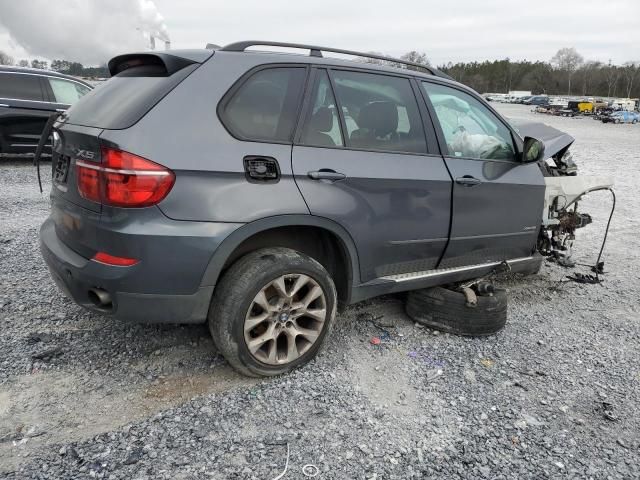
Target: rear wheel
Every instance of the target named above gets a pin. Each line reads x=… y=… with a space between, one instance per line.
x=271 y=311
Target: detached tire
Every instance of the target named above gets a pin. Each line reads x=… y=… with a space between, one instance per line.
x=447 y=310
x=271 y=311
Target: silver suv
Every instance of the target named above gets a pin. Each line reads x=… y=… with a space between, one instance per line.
x=255 y=191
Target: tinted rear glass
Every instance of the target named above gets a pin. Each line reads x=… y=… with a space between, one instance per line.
x=20 y=86
x=265 y=106
x=124 y=99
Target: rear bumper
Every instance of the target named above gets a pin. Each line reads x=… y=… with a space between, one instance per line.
x=76 y=276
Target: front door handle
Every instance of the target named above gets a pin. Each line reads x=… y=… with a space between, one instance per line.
x=326 y=174
x=468 y=181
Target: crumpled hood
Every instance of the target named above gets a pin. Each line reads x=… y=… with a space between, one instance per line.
x=554 y=140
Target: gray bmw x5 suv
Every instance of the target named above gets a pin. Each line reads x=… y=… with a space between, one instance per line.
x=257 y=190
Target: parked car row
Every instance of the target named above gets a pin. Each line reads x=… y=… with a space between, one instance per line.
x=621 y=117
x=27 y=98
x=605 y=114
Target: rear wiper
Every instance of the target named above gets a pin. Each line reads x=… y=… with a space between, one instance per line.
x=43 y=140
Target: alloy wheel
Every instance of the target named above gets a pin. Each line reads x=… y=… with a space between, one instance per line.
x=285 y=319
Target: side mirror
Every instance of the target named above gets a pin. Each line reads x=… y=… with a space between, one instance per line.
x=533 y=150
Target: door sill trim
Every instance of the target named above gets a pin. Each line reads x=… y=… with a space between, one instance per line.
x=411 y=276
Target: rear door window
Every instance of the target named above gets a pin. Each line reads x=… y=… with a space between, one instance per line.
x=67 y=92
x=20 y=86
x=380 y=112
x=265 y=106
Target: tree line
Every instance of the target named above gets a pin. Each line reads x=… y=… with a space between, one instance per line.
x=62 y=66
x=566 y=73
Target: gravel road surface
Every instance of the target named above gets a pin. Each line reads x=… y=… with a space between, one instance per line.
x=554 y=395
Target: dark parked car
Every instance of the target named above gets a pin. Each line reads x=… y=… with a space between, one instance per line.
x=537 y=100
x=256 y=190
x=27 y=98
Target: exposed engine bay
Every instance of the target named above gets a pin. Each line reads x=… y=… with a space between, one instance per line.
x=560 y=216
x=564 y=189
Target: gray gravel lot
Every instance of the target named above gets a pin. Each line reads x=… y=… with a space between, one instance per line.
x=554 y=395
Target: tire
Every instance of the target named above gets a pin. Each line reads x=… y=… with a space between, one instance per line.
x=447 y=310
x=237 y=304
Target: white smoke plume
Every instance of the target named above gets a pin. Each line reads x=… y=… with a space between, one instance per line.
x=85 y=31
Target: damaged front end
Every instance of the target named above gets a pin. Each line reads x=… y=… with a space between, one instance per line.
x=564 y=189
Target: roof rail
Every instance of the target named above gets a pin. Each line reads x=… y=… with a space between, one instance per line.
x=315 y=51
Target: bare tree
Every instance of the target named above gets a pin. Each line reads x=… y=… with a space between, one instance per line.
x=587 y=72
x=416 y=57
x=372 y=60
x=611 y=74
x=630 y=72
x=40 y=64
x=5 y=59
x=568 y=60
x=541 y=76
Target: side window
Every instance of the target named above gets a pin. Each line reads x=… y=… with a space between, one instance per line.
x=20 y=86
x=322 y=128
x=470 y=129
x=380 y=112
x=67 y=92
x=266 y=105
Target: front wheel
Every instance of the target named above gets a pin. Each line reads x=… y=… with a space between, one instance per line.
x=272 y=311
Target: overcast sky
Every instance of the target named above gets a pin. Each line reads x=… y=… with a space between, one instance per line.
x=461 y=30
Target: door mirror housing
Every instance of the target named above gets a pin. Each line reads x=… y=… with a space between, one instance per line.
x=533 y=150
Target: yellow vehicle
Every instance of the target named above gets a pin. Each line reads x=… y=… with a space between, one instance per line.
x=585 y=107
x=582 y=107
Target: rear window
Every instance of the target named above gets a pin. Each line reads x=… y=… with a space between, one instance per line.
x=21 y=86
x=265 y=106
x=125 y=98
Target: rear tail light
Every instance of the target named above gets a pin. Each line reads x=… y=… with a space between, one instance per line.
x=123 y=180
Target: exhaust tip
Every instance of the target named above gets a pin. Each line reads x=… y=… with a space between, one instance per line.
x=100 y=298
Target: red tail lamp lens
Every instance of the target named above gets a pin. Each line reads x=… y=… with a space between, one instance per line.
x=123 y=180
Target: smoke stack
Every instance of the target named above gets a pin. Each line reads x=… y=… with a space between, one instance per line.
x=117 y=26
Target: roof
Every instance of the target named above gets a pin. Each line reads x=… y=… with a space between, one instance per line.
x=282 y=57
x=44 y=73
x=316 y=52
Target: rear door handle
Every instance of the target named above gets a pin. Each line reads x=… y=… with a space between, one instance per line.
x=326 y=174
x=468 y=181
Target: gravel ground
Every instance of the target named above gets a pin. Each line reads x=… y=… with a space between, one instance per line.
x=554 y=395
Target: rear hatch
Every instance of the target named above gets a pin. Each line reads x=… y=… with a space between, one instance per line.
x=138 y=83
